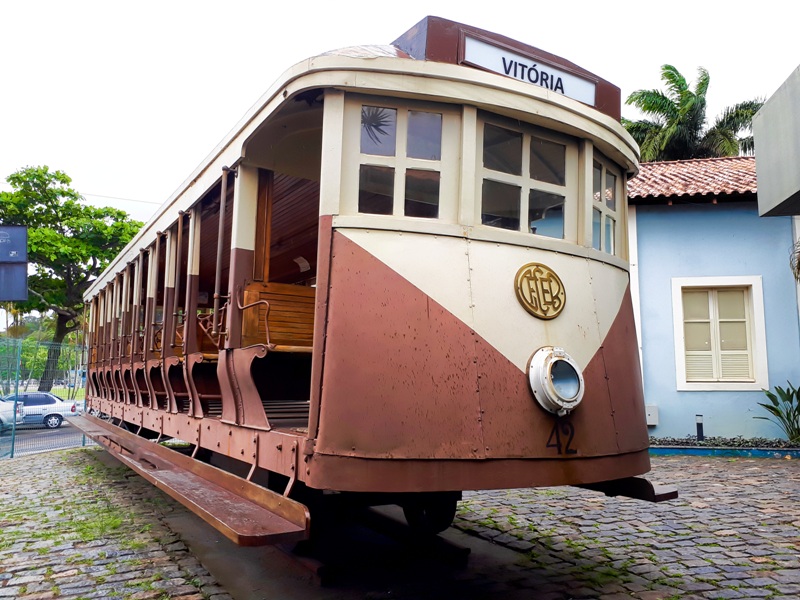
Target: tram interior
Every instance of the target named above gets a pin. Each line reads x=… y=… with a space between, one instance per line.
x=287 y=151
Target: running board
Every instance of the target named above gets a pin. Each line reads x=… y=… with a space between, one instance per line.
x=246 y=513
x=634 y=487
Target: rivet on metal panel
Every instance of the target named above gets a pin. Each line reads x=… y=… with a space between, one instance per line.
x=279 y=447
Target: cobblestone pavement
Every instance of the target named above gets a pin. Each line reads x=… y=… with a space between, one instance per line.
x=77 y=526
x=74 y=527
x=733 y=533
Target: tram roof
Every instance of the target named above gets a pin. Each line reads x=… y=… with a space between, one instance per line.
x=435 y=48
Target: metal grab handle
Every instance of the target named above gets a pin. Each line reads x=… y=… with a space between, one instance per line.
x=252 y=304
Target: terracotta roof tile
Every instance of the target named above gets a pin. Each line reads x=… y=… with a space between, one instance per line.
x=692 y=178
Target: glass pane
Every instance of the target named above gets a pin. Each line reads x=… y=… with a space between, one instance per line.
x=695 y=305
x=422 y=194
x=502 y=150
x=548 y=161
x=597 y=217
x=731 y=304
x=424 y=135
x=376 y=190
x=611 y=191
x=698 y=336
x=500 y=205
x=546 y=214
x=610 y=245
x=597 y=183
x=733 y=336
x=378 y=130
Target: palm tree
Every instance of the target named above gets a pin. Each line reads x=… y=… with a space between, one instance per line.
x=676 y=129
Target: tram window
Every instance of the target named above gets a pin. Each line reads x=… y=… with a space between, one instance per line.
x=546 y=214
x=527 y=182
x=502 y=150
x=604 y=200
x=611 y=191
x=424 y=135
x=548 y=161
x=378 y=130
x=500 y=205
x=422 y=193
x=376 y=190
x=597 y=218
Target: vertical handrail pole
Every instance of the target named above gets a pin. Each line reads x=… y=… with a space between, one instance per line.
x=220 y=247
x=176 y=282
x=152 y=288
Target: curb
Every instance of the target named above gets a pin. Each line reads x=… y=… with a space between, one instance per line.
x=785 y=453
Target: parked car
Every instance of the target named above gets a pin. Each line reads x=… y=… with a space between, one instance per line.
x=10 y=414
x=44 y=408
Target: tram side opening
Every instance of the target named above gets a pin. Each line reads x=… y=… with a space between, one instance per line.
x=282 y=296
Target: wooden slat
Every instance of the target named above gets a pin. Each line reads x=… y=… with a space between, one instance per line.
x=291 y=316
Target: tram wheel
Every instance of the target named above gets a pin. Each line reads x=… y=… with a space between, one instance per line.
x=431 y=514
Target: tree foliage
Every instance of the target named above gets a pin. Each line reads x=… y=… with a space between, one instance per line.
x=675 y=127
x=69 y=242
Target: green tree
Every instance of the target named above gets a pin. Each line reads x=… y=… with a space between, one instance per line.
x=676 y=125
x=69 y=244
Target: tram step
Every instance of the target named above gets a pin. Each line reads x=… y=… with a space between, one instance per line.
x=286 y=409
x=244 y=512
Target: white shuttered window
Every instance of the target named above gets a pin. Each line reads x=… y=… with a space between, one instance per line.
x=720 y=335
x=717 y=334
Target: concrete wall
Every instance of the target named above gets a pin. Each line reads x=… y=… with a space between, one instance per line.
x=706 y=240
x=776 y=132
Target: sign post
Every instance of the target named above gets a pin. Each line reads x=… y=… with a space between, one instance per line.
x=13 y=263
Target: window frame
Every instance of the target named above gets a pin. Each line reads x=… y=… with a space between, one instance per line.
x=618 y=214
x=756 y=325
x=448 y=165
x=526 y=183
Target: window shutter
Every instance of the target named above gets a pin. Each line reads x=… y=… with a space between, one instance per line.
x=736 y=365
x=699 y=366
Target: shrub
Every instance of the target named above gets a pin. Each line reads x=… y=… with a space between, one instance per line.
x=785 y=410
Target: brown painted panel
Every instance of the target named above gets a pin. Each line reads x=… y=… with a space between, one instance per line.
x=365 y=475
x=621 y=358
x=399 y=378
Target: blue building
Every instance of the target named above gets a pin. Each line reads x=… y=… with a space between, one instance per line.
x=717 y=306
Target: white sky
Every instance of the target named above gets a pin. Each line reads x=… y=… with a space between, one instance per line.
x=129 y=97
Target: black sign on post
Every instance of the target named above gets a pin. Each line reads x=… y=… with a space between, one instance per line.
x=13 y=263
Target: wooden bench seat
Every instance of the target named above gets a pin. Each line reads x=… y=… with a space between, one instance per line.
x=279 y=315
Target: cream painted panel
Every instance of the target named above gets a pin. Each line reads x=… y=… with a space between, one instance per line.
x=245 y=213
x=474 y=280
x=609 y=285
x=504 y=323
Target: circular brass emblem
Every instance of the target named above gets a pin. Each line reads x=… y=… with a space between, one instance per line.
x=540 y=291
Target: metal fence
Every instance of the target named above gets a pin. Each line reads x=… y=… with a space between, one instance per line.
x=39 y=375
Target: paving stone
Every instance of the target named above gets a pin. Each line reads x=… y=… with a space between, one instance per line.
x=732 y=533
x=88 y=556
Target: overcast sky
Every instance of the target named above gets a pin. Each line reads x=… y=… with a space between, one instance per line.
x=129 y=97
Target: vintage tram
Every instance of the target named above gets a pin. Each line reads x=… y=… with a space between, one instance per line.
x=402 y=275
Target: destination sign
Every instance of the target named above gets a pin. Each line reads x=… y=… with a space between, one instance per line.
x=506 y=62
